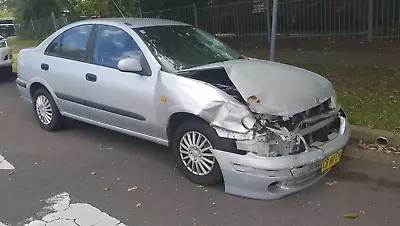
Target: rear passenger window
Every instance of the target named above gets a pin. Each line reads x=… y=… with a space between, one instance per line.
x=71 y=44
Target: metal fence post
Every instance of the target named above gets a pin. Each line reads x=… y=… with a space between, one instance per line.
x=370 y=20
x=273 y=30
x=140 y=12
x=53 y=17
x=266 y=5
x=33 y=29
x=195 y=15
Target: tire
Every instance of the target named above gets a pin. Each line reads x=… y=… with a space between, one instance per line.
x=214 y=176
x=6 y=73
x=4 y=34
x=45 y=102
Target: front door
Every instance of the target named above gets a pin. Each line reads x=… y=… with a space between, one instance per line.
x=121 y=99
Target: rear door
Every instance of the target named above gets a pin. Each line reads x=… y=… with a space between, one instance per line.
x=64 y=66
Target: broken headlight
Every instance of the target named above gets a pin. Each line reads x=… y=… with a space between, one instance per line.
x=333 y=102
x=248 y=122
x=3 y=43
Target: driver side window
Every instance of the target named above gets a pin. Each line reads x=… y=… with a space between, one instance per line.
x=112 y=44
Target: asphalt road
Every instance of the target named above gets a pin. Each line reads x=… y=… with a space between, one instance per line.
x=84 y=160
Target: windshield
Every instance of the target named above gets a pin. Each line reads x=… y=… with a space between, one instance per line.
x=183 y=47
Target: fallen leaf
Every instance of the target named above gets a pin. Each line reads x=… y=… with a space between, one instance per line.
x=387 y=152
x=132 y=189
x=362 y=212
x=200 y=186
x=394 y=167
x=106 y=189
x=351 y=215
x=139 y=205
x=93 y=173
x=397 y=152
x=330 y=184
x=392 y=149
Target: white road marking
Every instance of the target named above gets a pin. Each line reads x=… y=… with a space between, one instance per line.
x=61 y=212
x=4 y=165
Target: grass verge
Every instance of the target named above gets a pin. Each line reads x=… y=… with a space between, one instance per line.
x=13 y=41
x=370 y=96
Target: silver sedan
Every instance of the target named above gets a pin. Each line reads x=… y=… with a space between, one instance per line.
x=264 y=129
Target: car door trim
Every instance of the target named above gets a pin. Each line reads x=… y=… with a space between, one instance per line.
x=98 y=106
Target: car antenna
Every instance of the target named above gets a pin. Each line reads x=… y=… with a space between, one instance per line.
x=119 y=9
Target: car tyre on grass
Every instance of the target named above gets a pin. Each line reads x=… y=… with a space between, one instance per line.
x=191 y=146
x=46 y=110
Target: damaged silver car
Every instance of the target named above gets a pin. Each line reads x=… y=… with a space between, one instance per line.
x=265 y=129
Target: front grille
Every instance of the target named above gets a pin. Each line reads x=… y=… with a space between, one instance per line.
x=315 y=111
x=319 y=109
x=322 y=134
x=319 y=135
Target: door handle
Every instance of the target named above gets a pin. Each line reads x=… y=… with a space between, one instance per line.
x=44 y=67
x=91 y=77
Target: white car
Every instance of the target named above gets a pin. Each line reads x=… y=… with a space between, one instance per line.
x=6 y=59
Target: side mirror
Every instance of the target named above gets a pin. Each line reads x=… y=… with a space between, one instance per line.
x=130 y=65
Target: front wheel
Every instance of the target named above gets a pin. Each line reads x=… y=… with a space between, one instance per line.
x=6 y=73
x=192 y=145
x=46 y=110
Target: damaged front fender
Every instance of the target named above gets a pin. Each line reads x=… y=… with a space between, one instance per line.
x=227 y=116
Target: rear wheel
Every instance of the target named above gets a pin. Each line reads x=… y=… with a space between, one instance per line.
x=192 y=145
x=46 y=110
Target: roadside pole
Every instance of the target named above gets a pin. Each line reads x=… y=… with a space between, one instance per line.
x=273 y=30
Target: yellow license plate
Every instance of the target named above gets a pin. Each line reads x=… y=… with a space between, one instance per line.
x=331 y=160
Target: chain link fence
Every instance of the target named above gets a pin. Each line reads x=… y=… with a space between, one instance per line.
x=249 y=21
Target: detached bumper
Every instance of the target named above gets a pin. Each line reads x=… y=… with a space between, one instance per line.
x=257 y=177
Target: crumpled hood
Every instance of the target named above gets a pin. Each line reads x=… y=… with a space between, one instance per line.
x=274 y=88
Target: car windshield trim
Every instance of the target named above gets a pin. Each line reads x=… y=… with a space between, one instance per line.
x=202 y=47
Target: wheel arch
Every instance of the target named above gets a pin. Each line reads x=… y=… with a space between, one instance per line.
x=35 y=86
x=177 y=119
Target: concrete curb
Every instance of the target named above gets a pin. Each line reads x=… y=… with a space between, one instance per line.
x=369 y=135
x=353 y=151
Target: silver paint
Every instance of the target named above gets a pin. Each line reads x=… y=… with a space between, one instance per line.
x=270 y=89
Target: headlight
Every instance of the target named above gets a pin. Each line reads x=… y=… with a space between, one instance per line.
x=333 y=103
x=3 y=43
x=248 y=122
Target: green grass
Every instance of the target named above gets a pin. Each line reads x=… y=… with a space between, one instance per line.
x=15 y=54
x=370 y=96
x=13 y=41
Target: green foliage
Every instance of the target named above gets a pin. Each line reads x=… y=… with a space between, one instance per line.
x=104 y=8
x=34 y=9
x=5 y=13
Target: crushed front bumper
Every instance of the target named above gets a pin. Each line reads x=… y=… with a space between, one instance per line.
x=257 y=177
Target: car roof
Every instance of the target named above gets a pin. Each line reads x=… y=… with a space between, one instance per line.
x=138 y=22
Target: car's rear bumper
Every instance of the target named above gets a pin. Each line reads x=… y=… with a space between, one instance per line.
x=259 y=177
x=23 y=89
x=6 y=57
